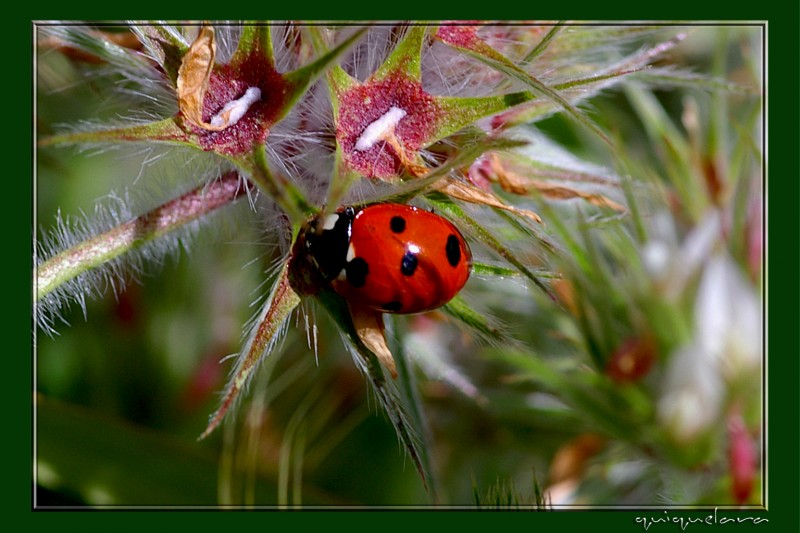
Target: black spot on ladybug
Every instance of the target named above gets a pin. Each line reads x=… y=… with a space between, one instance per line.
x=392 y=306
x=397 y=224
x=356 y=271
x=453 y=250
x=409 y=263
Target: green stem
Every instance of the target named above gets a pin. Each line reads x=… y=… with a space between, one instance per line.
x=408 y=387
x=282 y=301
x=281 y=190
x=255 y=38
x=385 y=390
x=544 y=43
x=131 y=235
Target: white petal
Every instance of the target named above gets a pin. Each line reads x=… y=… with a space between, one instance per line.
x=713 y=307
x=693 y=394
x=728 y=317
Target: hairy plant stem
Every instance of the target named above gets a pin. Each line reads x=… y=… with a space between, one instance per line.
x=272 y=318
x=130 y=235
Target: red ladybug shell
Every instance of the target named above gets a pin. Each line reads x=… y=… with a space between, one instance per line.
x=402 y=259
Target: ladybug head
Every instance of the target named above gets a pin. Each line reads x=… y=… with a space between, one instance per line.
x=325 y=241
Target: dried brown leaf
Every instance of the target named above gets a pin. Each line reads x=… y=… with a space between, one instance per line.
x=414 y=168
x=563 y=192
x=520 y=185
x=565 y=292
x=508 y=180
x=193 y=77
x=369 y=327
x=571 y=460
x=472 y=194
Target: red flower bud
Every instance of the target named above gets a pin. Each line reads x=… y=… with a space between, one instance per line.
x=632 y=360
x=742 y=459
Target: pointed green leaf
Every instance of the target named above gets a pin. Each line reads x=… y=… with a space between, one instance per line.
x=266 y=332
x=338 y=80
x=634 y=64
x=544 y=43
x=515 y=72
x=167 y=44
x=461 y=112
x=495 y=271
x=406 y=57
x=574 y=43
x=491 y=57
x=301 y=79
x=255 y=39
x=577 y=88
x=166 y=130
x=477 y=323
x=384 y=388
x=693 y=80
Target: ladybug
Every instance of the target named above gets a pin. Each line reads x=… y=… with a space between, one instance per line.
x=392 y=258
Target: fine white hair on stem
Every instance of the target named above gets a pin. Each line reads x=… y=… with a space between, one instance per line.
x=68 y=232
x=449 y=72
x=111 y=214
x=302 y=145
x=310 y=324
x=285 y=38
x=227 y=37
x=368 y=54
x=138 y=87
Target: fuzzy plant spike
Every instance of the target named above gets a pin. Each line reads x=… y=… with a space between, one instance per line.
x=81 y=256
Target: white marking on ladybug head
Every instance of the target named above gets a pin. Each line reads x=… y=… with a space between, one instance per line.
x=378 y=129
x=330 y=222
x=342 y=275
x=351 y=252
